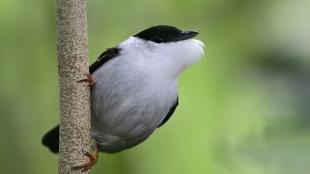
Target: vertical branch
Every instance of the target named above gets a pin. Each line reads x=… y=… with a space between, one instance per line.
x=74 y=97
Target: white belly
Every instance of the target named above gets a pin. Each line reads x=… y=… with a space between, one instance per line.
x=127 y=108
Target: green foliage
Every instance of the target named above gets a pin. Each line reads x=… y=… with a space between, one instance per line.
x=243 y=109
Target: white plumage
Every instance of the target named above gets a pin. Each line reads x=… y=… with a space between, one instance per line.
x=134 y=91
x=135 y=87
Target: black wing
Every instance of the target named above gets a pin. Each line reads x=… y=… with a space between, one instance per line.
x=171 y=111
x=109 y=54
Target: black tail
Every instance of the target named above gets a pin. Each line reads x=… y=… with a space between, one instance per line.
x=51 y=139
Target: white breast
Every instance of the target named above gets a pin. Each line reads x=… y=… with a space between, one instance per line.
x=127 y=103
x=134 y=91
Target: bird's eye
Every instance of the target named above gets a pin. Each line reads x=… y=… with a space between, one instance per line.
x=158 y=39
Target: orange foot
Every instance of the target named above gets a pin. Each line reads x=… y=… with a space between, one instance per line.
x=89 y=79
x=92 y=161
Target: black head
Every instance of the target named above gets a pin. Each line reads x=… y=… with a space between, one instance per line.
x=164 y=34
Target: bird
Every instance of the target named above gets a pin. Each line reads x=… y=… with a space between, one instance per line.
x=135 y=87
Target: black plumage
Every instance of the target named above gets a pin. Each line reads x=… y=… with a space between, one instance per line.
x=109 y=54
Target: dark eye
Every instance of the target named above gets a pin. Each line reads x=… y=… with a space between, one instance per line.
x=161 y=34
x=159 y=39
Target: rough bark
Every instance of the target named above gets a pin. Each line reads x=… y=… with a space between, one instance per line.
x=74 y=97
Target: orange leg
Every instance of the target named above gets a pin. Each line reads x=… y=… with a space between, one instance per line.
x=89 y=79
x=93 y=158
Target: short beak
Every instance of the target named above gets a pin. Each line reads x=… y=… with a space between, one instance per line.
x=187 y=35
x=190 y=34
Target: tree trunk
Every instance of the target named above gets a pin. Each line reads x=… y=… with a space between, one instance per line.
x=74 y=97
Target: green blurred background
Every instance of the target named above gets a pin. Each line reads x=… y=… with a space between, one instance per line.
x=244 y=108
